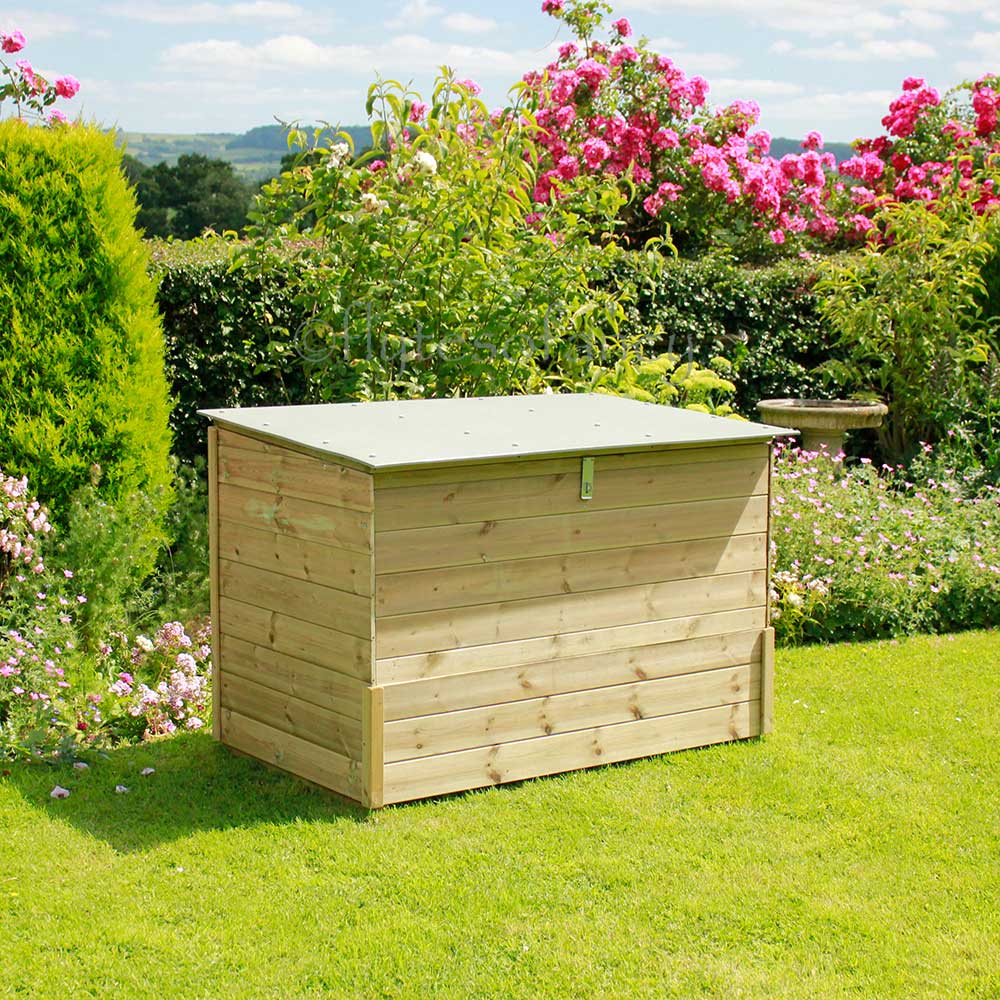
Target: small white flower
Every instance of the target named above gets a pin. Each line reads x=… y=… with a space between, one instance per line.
x=425 y=163
x=148 y=770
x=121 y=789
x=80 y=766
x=146 y=645
x=340 y=152
x=795 y=600
x=370 y=202
x=59 y=792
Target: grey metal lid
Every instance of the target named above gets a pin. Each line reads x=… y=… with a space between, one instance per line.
x=415 y=432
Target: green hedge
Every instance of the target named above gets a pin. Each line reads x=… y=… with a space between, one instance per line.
x=230 y=336
x=81 y=353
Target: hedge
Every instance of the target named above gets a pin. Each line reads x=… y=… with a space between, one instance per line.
x=230 y=336
x=82 y=381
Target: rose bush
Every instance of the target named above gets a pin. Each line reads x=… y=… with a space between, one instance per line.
x=32 y=95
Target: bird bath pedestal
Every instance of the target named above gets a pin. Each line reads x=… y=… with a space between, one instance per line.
x=823 y=422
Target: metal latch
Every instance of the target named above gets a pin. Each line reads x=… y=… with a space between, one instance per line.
x=587 y=479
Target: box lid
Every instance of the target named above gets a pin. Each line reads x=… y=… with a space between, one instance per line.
x=417 y=432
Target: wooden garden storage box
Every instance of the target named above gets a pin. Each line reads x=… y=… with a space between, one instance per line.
x=413 y=598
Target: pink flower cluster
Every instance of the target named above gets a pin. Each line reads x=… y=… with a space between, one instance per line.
x=23 y=523
x=31 y=93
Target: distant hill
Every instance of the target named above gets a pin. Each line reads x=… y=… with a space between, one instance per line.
x=256 y=153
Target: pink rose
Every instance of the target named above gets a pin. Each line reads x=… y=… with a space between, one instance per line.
x=552 y=6
x=13 y=42
x=56 y=117
x=417 y=110
x=67 y=86
x=622 y=27
x=471 y=86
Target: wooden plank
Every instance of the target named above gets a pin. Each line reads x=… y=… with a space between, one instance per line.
x=770 y=526
x=521 y=467
x=310 y=602
x=292 y=474
x=502 y=499
x=373 y=755
x=519 y=538
x=452 y=772
x=300 y=718
x=341 y=526
x=213 y=577
x=521 y=720
x=328 y=565
x=459 y=586
x=326 y=647
x=472 y=659
x=289 y=675
x=400 y=635
x=540 y=680
x=767 y=682
x=291 y=753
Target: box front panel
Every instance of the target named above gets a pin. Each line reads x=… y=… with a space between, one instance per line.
x=521 y=630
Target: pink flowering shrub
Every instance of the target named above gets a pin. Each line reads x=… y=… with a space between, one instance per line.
x=32 y=95
x=869 y=553
x=703 y=174
x=55 y=696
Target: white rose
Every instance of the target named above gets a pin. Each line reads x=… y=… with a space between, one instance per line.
x=425 y=163
x=371 y=203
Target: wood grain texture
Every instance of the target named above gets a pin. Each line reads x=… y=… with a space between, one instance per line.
x=486 y=583
x=289 y=675
x=290 y=753
x=288 y=515
x=519 y=538
x=519 y=468
x=400 y=635
x=304 y=719
x=502 y=499
x=540 y=680
x=286 y=595
x=213 y=576
x=767 y=682
x=326 y=647
x=373 y=754
x=519 y=720
x=452 y=772
x=473 y=659
x=328 y=565
x=290 y=474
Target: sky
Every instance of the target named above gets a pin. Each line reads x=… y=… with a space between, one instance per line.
x=218 y=66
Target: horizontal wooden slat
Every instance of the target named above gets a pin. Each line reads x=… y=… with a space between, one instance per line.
x=337 y=609
x=326 y=647
x=443 y=773
x=292 y=715
x=502 y=499
x=400 y=635
x=521 y=720
x=458 y=586
x=292 y=474
x=522 y=467
x=350 y=529
x=541 y=680
x=472 y=659
x=328 y=565
x=519 y=538
x=291 y=753
x=289 y=675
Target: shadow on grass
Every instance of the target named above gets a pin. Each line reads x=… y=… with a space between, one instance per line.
x=197 y=785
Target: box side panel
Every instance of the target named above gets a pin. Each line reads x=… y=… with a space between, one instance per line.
x=295 y=609
x=522 y=631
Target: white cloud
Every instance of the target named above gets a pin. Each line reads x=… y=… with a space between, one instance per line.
x=296 y=54
x=781 y=47
x=665 y=45
x=753 y=89
x=208 y=13
x=37 y=25
x=985 y=42
x=924 y=20
x=414 y=12
x=469 y=24
x=869 y=50
x=707 y=62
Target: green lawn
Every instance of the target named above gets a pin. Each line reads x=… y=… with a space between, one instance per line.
x=854 y=853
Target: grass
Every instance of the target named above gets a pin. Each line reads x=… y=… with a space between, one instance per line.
x=853 y=853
